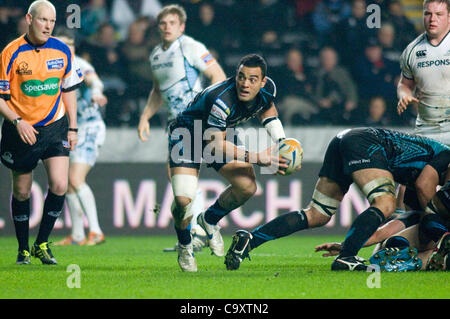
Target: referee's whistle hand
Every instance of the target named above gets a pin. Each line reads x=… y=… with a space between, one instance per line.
x=27 y=132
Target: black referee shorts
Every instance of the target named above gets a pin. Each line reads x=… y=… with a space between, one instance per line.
x=21 y=157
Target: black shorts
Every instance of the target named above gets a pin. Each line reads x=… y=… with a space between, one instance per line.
x=21 y=157
x=187 y=149
x=333 y=164
x=356 y=150
x=361 y=150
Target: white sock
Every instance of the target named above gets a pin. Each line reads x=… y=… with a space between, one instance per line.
x=198 y=206
x=87 y=201
x=76 y=215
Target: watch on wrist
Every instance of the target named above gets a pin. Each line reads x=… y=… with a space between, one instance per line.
x=16 y=121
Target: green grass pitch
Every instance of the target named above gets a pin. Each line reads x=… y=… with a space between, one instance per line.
x=136 y=267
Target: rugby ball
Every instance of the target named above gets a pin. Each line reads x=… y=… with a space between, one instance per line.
x=291 y=149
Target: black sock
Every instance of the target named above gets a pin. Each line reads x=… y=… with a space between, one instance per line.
x=281 y=226
x=362 y=228
x=215 y=213
x=432 y=226
x=53 y=206
x=183 y=235
x=21 y=217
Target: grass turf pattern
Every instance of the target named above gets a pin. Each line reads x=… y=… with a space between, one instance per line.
x=136 y=267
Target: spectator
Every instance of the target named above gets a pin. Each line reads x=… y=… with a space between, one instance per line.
x=335 y=91
x=102 y=52
x=207 y=28
x=353 y=32
x=134 y=53
x=386 y=37
x=404 y=28
x=296 y=90
x=375 y=75
x=7 y=23
x=303 y=12
x=124 y=12
x=92 y=17
x=326 y=17
x=377 y=116
x=265 y=21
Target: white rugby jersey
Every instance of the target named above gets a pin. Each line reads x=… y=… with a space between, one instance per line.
x=178 y=70
x=429 y=67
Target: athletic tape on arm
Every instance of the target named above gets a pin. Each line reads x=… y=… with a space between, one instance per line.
x=275 y=128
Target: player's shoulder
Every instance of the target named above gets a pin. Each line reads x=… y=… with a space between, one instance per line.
x=55 y=43
x=156 y=50
x=189 y=43
x=414 y=44
x=14 y=45
x=83 y=64
x=270 y=87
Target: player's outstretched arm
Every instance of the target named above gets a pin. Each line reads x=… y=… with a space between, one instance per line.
x=154 y=102
x=215 y=73
x=332 y=249
x=269 y=119
x=405 y=94
x=93 y=81
x=70 y=102
x=25 y=130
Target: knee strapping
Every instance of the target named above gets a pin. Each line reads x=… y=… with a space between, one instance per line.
x=324 y=204
x=378 y=187
x=183 y=185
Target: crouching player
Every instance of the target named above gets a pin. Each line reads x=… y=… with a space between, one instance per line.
x=372 y=158
x=412 y=241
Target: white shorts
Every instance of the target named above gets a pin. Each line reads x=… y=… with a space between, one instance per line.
x=91 y=136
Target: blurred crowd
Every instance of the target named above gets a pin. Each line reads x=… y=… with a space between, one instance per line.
x=329 y=66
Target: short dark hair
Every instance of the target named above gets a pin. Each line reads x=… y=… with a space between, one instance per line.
x=253 y=61
x=447 y=2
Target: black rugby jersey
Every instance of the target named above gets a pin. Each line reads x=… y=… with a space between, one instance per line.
x=218 y=106
x=406 y=154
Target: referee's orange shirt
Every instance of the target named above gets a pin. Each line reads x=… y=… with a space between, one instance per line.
x=32 y=79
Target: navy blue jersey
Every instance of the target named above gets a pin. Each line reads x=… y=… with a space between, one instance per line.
x=218 y=106
x=402 y=154
x=405 y=155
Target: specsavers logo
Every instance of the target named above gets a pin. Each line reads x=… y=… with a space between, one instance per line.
x=35 y=88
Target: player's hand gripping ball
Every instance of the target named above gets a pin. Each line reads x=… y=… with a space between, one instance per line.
x=292 y=151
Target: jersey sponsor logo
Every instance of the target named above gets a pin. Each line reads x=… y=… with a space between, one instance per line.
x=361 y=161
x=22 y=69
x=207 y=58
x=4 y=85
x=421 y=54
x=426 y=64
x=79 y=73
x=218 y=112
x=162 y=65
x=35 y=88
x=55 y=64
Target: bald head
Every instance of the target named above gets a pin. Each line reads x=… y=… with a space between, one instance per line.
x=36 y=5
x=41 y=18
